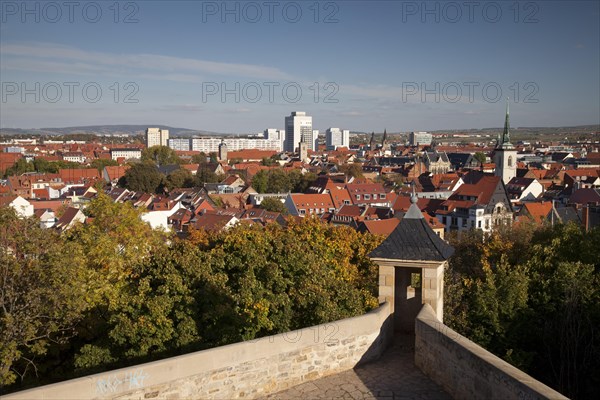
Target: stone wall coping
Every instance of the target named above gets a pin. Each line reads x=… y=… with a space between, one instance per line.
x=223 y=357
x=427 y=317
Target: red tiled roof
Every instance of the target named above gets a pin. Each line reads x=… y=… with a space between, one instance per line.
x=483 y=189
x=381 y=226
x=538 y=211
x=116 y=171
x=78 y=174
x=313 y=201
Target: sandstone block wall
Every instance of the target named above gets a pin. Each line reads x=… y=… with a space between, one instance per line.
x=466 y=370
x=241 y=370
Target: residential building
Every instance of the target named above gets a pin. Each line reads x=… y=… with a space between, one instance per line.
x=309 y=204
x=126 y=153
x=275 y=135
x=157 y=137
x=298 y=128
x=373 y=194
x=524 y=189
x=22 y=207
x=336 y=137
x=211 y=145
x=74 y=156
x=180 y=144
x=70 y=217
x=481 y=205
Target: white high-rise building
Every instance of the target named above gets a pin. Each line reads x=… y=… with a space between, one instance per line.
x=211 y=145
x=180 y=144
x=419 y=138
x=275 y=134
x=157 y=137
x=315 y=139
x=336 y=137
x=298 y=127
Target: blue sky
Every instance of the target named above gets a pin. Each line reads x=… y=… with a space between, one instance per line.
x=242 y=66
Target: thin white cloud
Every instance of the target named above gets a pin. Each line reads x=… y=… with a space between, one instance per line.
x=83 y=61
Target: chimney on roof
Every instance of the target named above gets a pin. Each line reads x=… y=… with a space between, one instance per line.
x=585 y=217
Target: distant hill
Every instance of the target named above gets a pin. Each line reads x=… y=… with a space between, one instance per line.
x=107 y=130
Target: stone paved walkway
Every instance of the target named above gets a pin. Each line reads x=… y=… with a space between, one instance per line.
x=392 y=377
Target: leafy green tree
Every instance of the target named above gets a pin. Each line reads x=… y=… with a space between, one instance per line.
x=206 y=174
x=269 y=161
x=273 y=204
x=521 y=291
x=260 y=181
x=479 y=156
x=199 y=158
x=279 y=181
x=143 y=177
x=180 y=178
x=153 y=312
x=20 y=167
x=45 y=166
x=42 y=293
x=160 y=155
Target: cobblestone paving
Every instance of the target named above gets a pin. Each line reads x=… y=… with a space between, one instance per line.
x=393 y=377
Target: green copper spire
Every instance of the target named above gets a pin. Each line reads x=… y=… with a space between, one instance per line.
x=505 y=143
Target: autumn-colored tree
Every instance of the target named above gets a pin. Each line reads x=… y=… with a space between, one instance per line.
x=43 y=293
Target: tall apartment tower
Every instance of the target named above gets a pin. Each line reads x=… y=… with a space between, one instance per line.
x=298 y=128
x=505 y=156
x=336 y=137
x=157 y=137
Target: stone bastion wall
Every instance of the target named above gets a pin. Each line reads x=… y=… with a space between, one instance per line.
x=466 y=370
x=241 y=370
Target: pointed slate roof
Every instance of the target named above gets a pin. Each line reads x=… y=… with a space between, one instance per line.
x=413 y=239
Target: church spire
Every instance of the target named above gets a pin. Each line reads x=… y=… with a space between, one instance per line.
x=504 y=142
x=384 y=141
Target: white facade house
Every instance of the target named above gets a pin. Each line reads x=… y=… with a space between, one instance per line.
x=22 y=207
x=158 y=219
x=524 y=189
x=126 y=153
x=336 y=137
x=75 y=156
x=298 y=127
x=157 y=137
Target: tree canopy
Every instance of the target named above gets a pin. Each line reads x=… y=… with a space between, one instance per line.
x=143 y=177
x=160 y=155
x=531 y=297
x=122 y=293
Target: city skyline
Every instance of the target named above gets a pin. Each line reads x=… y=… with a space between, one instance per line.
x=230 y=67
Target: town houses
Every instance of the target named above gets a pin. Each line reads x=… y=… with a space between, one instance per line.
x=458 y=187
